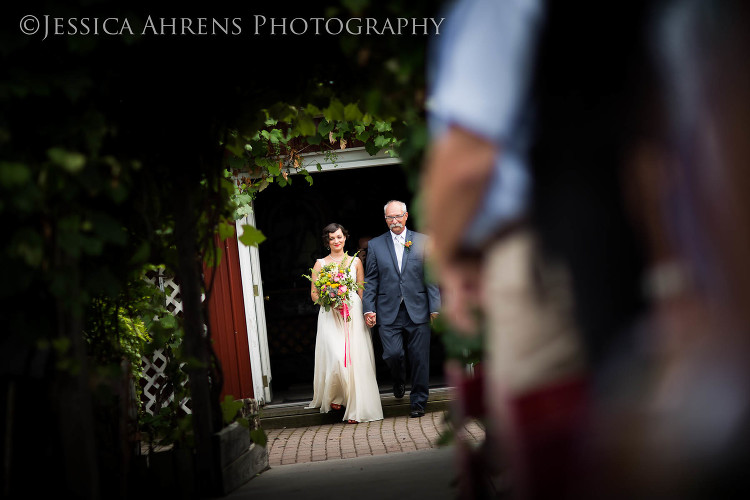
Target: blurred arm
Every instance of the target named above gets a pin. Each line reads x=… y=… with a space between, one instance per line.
x=457 y=171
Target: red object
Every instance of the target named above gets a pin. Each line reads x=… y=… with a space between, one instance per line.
x=473 y=393
x=227 y=322
x=550 y=423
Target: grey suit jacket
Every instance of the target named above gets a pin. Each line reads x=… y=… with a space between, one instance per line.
x=386 y=285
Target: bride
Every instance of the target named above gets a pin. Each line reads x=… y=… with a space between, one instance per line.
x=344 y=358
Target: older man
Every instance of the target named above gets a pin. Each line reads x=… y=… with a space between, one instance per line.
x=400 y=300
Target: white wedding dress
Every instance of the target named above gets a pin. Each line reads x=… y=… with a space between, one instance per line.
x=348 y=382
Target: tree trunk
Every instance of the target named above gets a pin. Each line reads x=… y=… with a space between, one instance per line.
x=72 y=395
x=195 y=343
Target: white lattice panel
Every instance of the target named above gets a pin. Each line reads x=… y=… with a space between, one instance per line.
x=153 y=369
x=172 y=290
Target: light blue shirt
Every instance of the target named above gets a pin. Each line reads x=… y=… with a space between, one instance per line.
x=480 y=78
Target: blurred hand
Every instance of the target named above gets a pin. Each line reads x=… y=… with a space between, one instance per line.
x=460 y=292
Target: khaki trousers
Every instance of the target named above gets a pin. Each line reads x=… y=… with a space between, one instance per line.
x=532 y=336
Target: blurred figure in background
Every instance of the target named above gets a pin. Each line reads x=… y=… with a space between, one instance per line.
x=682 y=427
x=593 y=89
x=362 y=243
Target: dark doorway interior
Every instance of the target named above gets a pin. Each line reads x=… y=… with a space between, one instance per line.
x=292 y=218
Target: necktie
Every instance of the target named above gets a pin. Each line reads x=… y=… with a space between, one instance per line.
x=399 y=249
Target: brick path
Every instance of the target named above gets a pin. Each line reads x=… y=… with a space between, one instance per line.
x=342 y=440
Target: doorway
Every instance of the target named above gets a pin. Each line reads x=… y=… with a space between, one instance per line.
x=292 y=218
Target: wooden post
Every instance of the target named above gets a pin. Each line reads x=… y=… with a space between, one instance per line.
x=196 y=343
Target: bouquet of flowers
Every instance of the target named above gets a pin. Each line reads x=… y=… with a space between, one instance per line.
x=334 y=284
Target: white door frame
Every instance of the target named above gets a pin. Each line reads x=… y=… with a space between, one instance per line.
x=255 y=315
x=252 y=284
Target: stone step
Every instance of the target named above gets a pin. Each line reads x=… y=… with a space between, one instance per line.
x=296 y=415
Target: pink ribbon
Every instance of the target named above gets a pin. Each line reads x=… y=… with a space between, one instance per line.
x=344 y=310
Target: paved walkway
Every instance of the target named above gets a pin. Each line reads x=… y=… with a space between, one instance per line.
x=425 y=474
x=341 y=440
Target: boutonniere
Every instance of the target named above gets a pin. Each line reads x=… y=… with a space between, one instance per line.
x=407 y=245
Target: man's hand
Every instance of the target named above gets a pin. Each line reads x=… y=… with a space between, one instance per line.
x=433 y=316
x=370 y=319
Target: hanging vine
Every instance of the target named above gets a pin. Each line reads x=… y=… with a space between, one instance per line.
x=277 y=151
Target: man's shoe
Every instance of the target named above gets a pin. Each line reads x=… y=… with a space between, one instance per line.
x=416 y=413
x=399 y=390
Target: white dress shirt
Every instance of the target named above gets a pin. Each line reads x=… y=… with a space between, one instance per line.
x=399 y=240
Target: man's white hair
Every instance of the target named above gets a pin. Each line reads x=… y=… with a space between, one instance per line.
x=403 y=206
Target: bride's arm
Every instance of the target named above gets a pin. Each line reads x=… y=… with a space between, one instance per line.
x=360 y=278
x=313 y=291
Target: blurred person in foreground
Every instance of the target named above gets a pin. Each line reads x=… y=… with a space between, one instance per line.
x=476 y=195
x=639 y=166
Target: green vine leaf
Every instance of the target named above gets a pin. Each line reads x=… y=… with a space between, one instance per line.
x=305 y=125
x=274 y=168
x=334 y=112
x=381 y=141
x=251 y=236
x=68 y=160
x=382 y=126
x=242 y=211
x=226 y=230
x=371 y=148
x=325 y=127
x=168 y=322
x=363 y=136
x=352 y=113
x=342 y=128
x=14 y=174
x=258 y=436
x=313 y=110
x=230 y=408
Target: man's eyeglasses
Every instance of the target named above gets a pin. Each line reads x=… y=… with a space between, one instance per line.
x=393 y=217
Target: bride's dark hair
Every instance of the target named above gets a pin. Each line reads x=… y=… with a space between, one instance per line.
x=332 y=228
